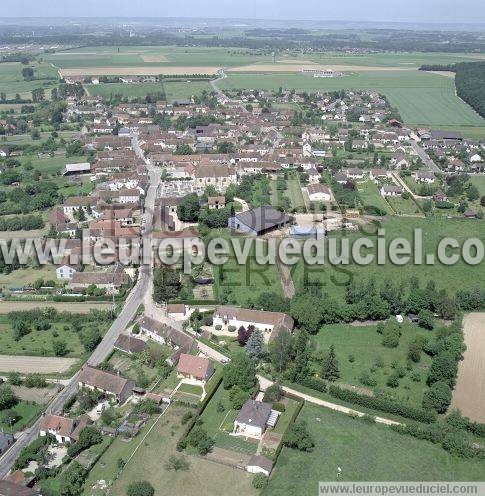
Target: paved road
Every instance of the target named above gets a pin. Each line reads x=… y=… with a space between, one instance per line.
x=134 y=299
x=424 y=157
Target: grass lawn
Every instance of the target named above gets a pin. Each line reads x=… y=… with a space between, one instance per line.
x=370 y=196
x=27 y=411
x=26 y=139
x=294 y=194
x=52 y=165
x=364 y=345
x=365 y=452
x=452 y=277
x=479 y=182
x=203 y=477
x=244 y=282
x=403 y=206
x=22 y=277
x=132 y=368
x=285 y=418
x=190 y=389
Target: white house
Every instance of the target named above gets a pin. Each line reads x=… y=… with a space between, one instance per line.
x=424 y=177
x=66 y=271
x=319 y=192
x=252 y=419
x=267 y=322
x=64 y=429
x=391 y=190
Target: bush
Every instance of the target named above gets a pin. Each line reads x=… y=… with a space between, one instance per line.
x=218 y=327
x=383 y=404
x=456 y=444
x=231 y=328
x=140 y=488
x=437 y=397
x=186 y=417
x=279 y=407
x=35 y=381
x=7 y=397
x=259 y=481
x=367 y=380
x=314 y=383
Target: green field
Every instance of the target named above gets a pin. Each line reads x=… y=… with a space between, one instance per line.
x=365 y=452
x=452 y=277
x=422 y=98
x=26 y=412
x=12 y=82
x=364 y=345
x=403 y=206
x=173 y=89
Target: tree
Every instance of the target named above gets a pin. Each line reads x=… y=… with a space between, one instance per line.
x=391 y=335
x=60 y=347
x=183 y=149
x=140 y=488
x=240 y=371
x=280 y=350
x=238 y=397
x=426 y=319
x=38 y=95
x=472 y=193
x=243 y=334
x=188 y=209
x=255 y=345
x=7 y=397
x=443 y=368
x=14 y=378
x=27 y=73
x=298 y=437
x=166 y=284
x=72 y=480
x=437 y=397
x=306 y=310
x=300 y=368
x=90 y=338
x=330 y=366
x=273 y=393
x=20 y=328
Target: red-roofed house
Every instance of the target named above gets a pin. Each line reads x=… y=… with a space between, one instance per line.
x=194 y=368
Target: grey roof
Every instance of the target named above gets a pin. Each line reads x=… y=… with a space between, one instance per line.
x=263 y=218
x=260 y=461
x=254 y=413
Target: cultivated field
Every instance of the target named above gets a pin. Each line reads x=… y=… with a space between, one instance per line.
x=41 y=365
x=139 y=70
x=365 y=452
x=72 y=307
x=421 y=98
x=469 y=393
x=12 y=81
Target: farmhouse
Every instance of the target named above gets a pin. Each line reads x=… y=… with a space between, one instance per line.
x=260 y=220
x=216 y=202
x=252 y=419
x=110 y=384
x=72 y=169
x=378 y=174
x=64 y=429
x=269 y=323
x=164 y=334
x=194 y=368
x=75 y=203
x=319 y=192
x=129 y=344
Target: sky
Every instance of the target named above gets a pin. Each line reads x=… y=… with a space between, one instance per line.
x=423 y=11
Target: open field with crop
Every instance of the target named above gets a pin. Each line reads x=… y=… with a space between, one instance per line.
x=469 y=393
x=365 y=452
x=421 y=98
x=139 y=70
x=29 y=364
x=359 y=350
x=72 y=307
